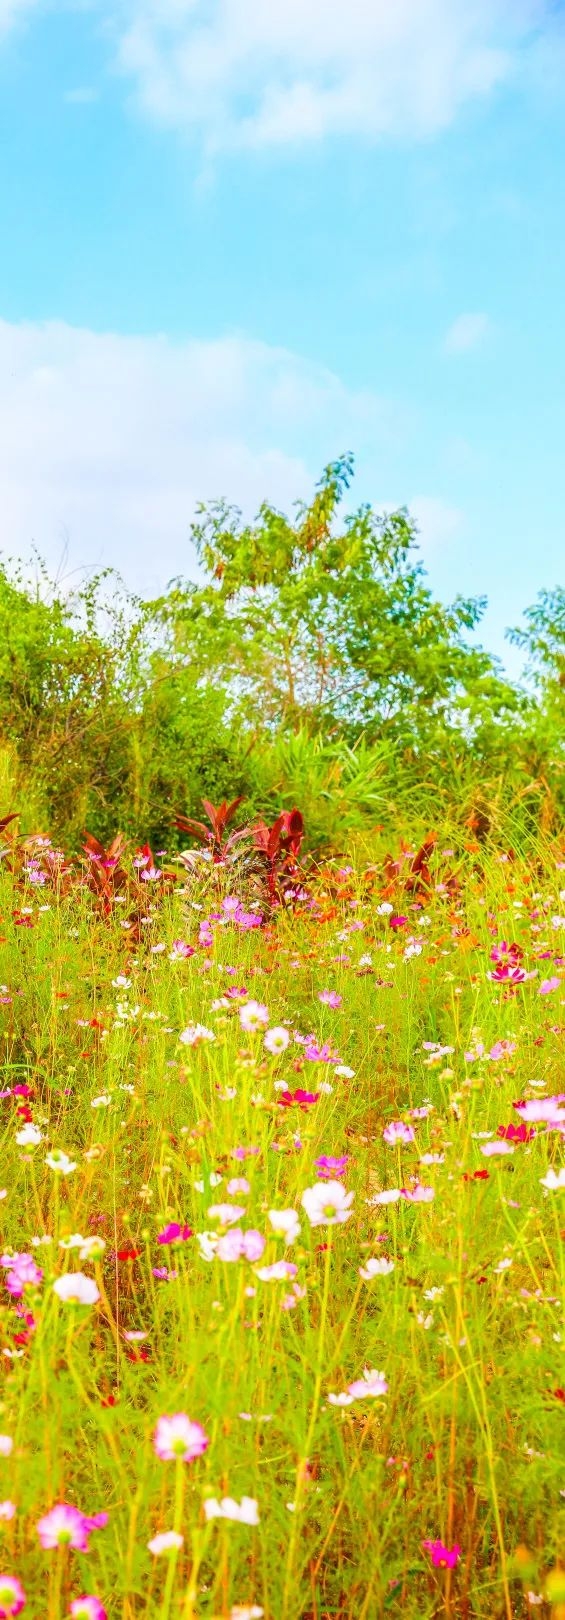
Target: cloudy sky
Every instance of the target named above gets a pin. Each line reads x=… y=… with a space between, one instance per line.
x=241 y=236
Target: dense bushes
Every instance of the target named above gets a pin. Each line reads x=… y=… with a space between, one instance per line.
x=311 y=665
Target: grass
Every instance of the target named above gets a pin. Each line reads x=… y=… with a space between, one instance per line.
x=465 y=1447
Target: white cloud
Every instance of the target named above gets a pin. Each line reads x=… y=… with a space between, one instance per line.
x=466 y=332
x=269 y=72
x=109 y=442
x=12 y=10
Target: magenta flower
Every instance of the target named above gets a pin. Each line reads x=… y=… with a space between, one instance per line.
x=12 y=1596
x=398 y=1132
x=22 y=1272
x=442 y=1557
x=66 y=1526
x=87 y=1608
x=328 y=1168
x=179 y=1438
x=174 y=1233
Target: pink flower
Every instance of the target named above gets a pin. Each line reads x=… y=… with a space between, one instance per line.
x=66 y=1526
x=179 y=1438
x=417 y=1194
x=237 y=1245
x=327 y=1203
x=253 y=1016
x=442 y=1557
x=398 y=1132
x=7 y=1510
x=330 y=998
x=491 y=1149
x=22 y=1272
x=12 y=1596
x=541 y=1109
x=87 y=1608
x=279 y=1270
x=328 y=1168
x=173 y=1233
x=547 y=985
x=168 y=1541
x=276 y=1040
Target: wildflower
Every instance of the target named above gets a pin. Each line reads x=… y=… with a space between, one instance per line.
x=181 y=950
x=327 y=1203
x=344 y=1073
x=246 y=1611
x=328 y=1168
x=547 y=985
x=29 y=1136
x=22 y=1272
x=286 y=1222
x=281 y=1269
x=303 y=1099
x=173 y=1232
x=389 y=1196
x=167 y=1541
x=253 y=1016
x=179 y=1438
x=554 y=1180
x=101 y=1102
x=417 y=1194
x=244 y=1512
x=92 y=1248
x=7 y=1511
x=238 y=1185
x=442 y=1557
x=237 y=1245
x=376 y=1268
x=12 y=1596
x=226 y=1214
x=276 y=1040
x=57 y=1160
x=372 y=1384
x=75 y=1288
x=330 y=998
x=194 y=1034
x=398 y=1132
x=491 y=1149
x=6 y=1445
x=66 y=1526
x=87 y=1607
x=541 y=1110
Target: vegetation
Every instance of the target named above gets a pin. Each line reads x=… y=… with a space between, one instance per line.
x=282 y=1175
x=310 y=664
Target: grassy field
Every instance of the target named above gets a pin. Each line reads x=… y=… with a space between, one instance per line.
x=298 y=1188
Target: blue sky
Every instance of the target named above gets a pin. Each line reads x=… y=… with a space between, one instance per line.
x=240 y=237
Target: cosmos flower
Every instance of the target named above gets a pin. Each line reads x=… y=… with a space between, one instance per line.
x=75 y=1288
x=376 y=1267
x=276 y=1040
x=244 y=1512
x=442 y=1557
x=12 y=1596
x=397 y=1132
x=327 y=1203
x=167 y=1541
x=179 y=1438
x=253 y=1016
x=66 y=1526
x=87 y=1607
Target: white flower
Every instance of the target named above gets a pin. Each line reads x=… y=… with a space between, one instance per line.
x=167 y=1541
x=344 y=1073
x=244 y=1512
x=121 y=983
x=29 y=1136
x=554 y=1179
x=226 y=1214
x=327 y=1203
x=76 y=1289
x=376 y=1268
x=92 y=1248
x=285 y=1221
x=6 y=1445
x=276 y=1040
x=390 y=1197
x=101 y=1102
x=246 y=1611
x=213 y=1181
x=385 y=908
x=253 y=1016
x=57 y=1160
x=207 y=1243
x=194 y=1033
x=73 y=1242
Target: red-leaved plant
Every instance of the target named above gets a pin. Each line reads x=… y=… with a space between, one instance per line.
x=214 y=837
x=279 y=847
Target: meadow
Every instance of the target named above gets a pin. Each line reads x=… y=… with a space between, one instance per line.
x=281 y=1192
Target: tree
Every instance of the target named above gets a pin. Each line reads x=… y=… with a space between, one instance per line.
x=328 y=620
